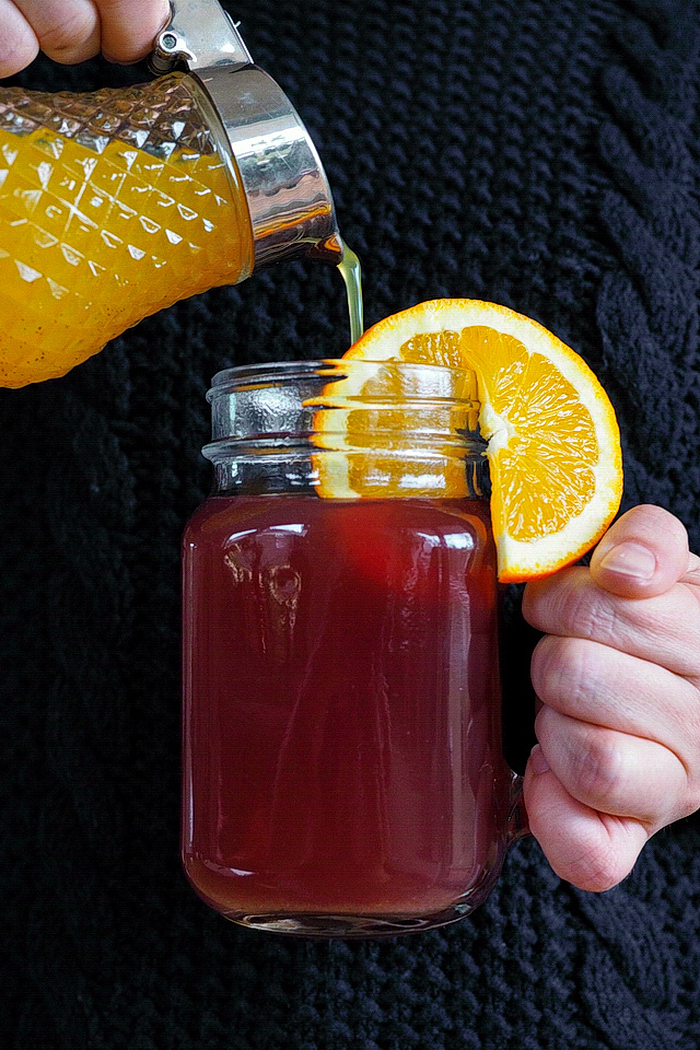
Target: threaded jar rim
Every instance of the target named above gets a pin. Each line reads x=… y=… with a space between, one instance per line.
x=381 y=426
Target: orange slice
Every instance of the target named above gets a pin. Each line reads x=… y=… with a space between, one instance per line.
x=553 y=440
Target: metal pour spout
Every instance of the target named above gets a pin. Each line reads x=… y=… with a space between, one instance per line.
x=289 y=199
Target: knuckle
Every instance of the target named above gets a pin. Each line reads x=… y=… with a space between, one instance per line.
x=597 y=768
x=690 y=802
x=603 y=852
x=598 y=867
x=678 y=622
x=690 y=755
x=62 y=40
x=592 y=613
x=13 y=59
x=561 y=671
x=18 y=47
x=667 y=626
x=570 y=603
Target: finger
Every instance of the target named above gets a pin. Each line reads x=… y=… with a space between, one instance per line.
x=663 y=628
x=643 y=553
x=692 y=576
x=65 y=32
x=615 y=773
x=129 y=27
x=602 y=686
x=591 y=850
x=18 y=42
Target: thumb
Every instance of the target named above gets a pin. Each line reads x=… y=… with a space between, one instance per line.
x=642 y=554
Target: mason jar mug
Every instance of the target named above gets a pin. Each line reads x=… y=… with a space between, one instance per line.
x=343 y=768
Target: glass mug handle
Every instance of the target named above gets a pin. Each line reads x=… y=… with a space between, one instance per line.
x=517 y=824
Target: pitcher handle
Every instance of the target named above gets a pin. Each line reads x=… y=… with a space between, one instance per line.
x=202 y=35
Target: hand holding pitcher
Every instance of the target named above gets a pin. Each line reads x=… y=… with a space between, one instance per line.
x=75 y=30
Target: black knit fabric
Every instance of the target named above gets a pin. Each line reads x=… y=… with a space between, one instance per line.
x=539 y=153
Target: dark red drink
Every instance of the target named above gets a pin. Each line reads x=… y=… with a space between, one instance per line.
x=342 y=710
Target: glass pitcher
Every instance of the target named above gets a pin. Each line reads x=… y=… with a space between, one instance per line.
x=117 y=203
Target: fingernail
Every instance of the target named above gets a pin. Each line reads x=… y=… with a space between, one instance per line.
x=630 y=559
x=538 y=761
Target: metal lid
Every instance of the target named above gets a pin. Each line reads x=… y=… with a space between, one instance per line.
x=289 y=199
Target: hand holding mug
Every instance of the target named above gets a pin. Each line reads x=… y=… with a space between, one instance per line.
x=618 y=678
